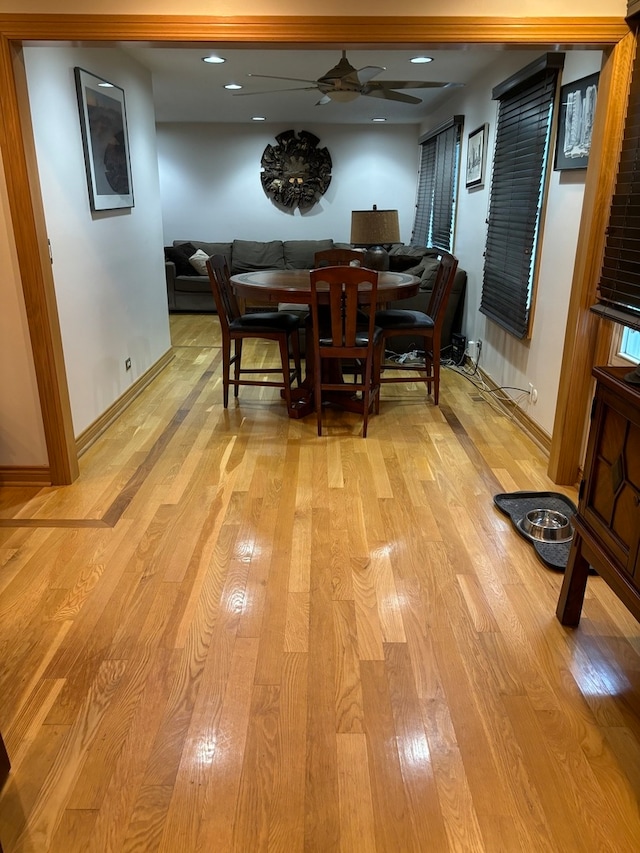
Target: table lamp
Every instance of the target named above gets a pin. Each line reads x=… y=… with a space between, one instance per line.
x=371 y=229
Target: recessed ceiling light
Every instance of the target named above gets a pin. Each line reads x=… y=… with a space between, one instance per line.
x=233 y=86
x=378 y=119
x=214 y=60
x=105 y=85
x=419 y=60
x=258 y=118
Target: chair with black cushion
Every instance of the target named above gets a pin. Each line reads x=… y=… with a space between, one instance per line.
x=338 y=258
x=339 y=335
x=280 y=326
x=426 y=325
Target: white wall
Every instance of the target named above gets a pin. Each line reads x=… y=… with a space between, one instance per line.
x=509 y=361
x=210 y=181
x=108 y=266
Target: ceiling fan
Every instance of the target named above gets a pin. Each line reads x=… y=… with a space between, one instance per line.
x=344 y=83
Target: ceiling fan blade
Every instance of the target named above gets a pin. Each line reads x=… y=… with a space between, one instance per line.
x=390 y=95
x=368 y=73
x=414 y=84
x=290 y=79
x=276 y=91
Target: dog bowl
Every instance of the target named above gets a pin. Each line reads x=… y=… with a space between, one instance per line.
x=546 y=525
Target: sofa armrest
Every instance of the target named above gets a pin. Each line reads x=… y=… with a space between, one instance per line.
x=170 y=273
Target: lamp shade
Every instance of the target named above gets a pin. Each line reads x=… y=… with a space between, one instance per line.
x=374 y=227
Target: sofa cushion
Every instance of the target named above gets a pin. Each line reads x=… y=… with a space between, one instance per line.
x=249 y=255
x=428 y=269
x=298 y=254
x=408 y=251
x=193 y=284
x=401 y=263
x=199 y=262
x=209 y=248
x=179 y=255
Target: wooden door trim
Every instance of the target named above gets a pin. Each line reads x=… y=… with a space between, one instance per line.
x=21 y=171
x=586 y=337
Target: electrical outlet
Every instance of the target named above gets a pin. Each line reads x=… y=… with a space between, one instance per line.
x=533 y=393
x=127 y=364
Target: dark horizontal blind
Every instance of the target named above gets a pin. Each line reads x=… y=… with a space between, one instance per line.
x=446 y=181
x=437 y=186
x=519 y=168
x=424 y=200
x=619 y=287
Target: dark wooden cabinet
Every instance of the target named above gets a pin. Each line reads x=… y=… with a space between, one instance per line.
x=607 y=526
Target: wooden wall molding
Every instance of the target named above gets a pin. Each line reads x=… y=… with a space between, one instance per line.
x=419 y=31
x=95 y=430
x=24 y=475
x=16 y=141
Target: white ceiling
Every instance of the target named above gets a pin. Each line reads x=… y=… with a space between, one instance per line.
x=188 y=89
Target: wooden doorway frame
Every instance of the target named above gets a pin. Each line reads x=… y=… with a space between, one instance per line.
x=18 y=154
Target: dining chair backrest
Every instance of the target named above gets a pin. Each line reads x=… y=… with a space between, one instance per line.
x=340 y=336
x=338 y=258
x=226 y=302
x=346 y=286
x=442 y=287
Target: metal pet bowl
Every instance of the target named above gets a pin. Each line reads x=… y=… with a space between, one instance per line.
x=546 y=525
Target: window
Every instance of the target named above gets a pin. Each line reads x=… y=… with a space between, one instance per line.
x=630 y=346
x=438 y=186
x=618 y=296
x=518 y=180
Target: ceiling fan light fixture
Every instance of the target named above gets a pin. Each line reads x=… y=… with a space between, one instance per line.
x=378 y=119
x=343 y=96
x=213 y=60
x=258 y=118
x=421 y=60
x=232 y=86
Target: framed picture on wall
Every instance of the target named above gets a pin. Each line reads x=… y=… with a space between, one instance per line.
x=476 y=156
x=103 y=123
x=575 y=123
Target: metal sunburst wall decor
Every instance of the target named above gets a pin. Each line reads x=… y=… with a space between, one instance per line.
x=295 y=172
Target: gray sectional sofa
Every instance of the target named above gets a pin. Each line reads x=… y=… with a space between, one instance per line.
x=189 y=291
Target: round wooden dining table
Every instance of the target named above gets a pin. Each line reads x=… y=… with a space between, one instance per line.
x=293 y=287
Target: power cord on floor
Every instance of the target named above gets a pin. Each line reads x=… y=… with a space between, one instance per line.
x=471 y=374
x=493 y=395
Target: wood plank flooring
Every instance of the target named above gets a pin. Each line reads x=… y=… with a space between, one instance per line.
x=232 y=635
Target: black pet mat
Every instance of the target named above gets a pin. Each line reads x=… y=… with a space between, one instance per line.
x=517 y=504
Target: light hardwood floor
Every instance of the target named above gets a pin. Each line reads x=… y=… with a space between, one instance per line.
x=232 y=635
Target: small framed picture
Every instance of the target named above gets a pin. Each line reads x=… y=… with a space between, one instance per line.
x=476 y=156
x=103 y=123
x=575 y=123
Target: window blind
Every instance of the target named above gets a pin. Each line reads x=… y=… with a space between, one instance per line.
x=519 y=168
x=618 y=294
x=437 y=186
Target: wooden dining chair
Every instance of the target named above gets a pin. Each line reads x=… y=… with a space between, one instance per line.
x=339 y=335
x=280 y=326
x=338 y=258
x=426 y=325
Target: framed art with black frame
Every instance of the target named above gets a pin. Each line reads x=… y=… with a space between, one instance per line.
x=476 y=156
x=575 y=123
x=103 y=122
